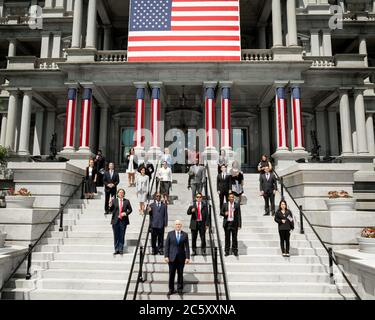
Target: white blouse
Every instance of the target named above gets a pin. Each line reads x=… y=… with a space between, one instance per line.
x=165 y=174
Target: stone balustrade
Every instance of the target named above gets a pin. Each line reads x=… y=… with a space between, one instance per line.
x=14 y=20
x=49 y=63
x=112 y=56
x=254 y=55
x=321 y=62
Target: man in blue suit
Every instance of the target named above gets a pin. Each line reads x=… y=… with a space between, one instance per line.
x=177 y=254
x=159 y=220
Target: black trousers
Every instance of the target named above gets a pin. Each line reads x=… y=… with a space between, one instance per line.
x=284 y=240
x=269 y=198
x=157 y=239
x=177 y=265
x=201 y=229
x=108 y=193
x=228 y=233
x=223 y=195
x=119 y=230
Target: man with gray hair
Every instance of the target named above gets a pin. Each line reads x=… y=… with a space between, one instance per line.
x=177 y=254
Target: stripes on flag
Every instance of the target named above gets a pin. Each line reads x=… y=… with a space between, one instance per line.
x=282 y=138
x=85 y=117
x=70 y=117
x=188 y=30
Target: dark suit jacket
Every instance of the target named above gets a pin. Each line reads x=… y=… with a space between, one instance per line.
x=94 y=172
x=115 y=209
x=107 y=179
x=158 y=216
x=174 y=251
x=224 y=185
x=237 y=220
x=288 y=225
x=268 y=186
x=194 y=215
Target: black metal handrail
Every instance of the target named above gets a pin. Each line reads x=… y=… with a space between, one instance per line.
x=218 y=240
x=142 y=248
x=329 y=250
x=28 y=255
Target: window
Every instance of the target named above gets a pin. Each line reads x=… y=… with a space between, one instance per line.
x=126 y=142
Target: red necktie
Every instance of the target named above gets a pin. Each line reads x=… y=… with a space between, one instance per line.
x=231 y=212
x=120 y=216
x=199 y=212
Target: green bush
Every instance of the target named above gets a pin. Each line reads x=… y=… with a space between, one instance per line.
x=3 y=155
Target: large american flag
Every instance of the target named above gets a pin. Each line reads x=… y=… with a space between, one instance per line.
x=184 y=30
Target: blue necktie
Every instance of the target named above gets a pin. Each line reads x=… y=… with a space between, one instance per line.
x=178 y=238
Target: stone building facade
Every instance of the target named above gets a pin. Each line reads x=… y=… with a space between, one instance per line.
x=304 y=68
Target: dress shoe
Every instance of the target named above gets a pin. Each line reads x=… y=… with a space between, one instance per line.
x=171 y=292
x=287 y=255
x=180 y=291
x=204 y=253
x=226 y=254
x=161 y=252
x=121 y=252
x=116 y=252
x=235 y=253
x=266 y=214
x=154 y=253
x=194 y=253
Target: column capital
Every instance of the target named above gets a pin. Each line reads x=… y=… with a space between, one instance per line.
x=156 y=84
x=358 y=90
x=280 y=84
x=140 y=85
x=45 y=33
x=72 y=85
x=87 y=85
x=210 y=84
x=27 y=91
x=225 y=84
x=57 y=33
x=296 y=83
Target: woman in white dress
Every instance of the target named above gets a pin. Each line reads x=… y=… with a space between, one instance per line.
x=142 y=183
x=131 y=167
x=165 y=177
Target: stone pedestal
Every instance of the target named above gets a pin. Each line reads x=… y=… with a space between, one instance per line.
x=310 y=183
x=81 y=55
x=285 y=158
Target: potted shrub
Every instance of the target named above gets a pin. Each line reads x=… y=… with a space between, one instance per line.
x=367 y=240
x=340 y=201
x=19 y=199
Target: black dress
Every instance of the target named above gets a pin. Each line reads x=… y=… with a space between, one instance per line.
x=90 y=185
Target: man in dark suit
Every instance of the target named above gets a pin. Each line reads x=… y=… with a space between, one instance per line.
x=268 y=188
x=197 y=178
x=158 y=221
x=223 y=185
x=120 y=209
x=176 y=254
x=199 y=222
x=232 y=222
x=100 y=167
x=110 y=179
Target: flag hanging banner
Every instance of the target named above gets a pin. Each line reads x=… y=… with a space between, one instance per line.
x=184 y=30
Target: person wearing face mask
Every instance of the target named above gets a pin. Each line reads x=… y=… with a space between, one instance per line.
x=110 y=179
x=158 y=222
x=224 y=184
x=284 y=218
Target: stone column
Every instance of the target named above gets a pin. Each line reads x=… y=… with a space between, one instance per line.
x=346 y=130
x=363 y=48
x=59 y=4
x=24 y=148
x=44 y=49
x=262 y=38
x=298 y=138
x=315 y=43
x=91 y=25
x=56 y=47
x=1 y=8
x=70 y=120
x=277 y=24
x=139 y=123
x=333 y=133
x=69 y=5
x=48 y=4
x=107 y=37
x=370 y=133
x=209 y=97
x=103 y=131
x=77 y=24
x=38 y=132
x=327 y=43
x=373 y=6
x=360 y=121
x=12 y=119
x=281 y=120
x=86 y=107
x=292 y=23
x=4 y=121
x=226 y=116
x=49 y=131
x=265 y=121
x=155 y=116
